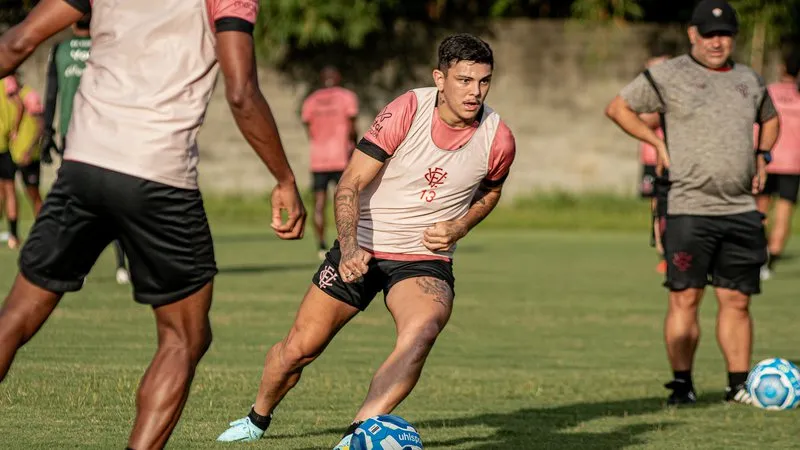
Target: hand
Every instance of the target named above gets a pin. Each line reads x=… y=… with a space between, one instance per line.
x=443 y=235
x=761 y=175
x=285 y=197
x=663 y=158
x=353 y=264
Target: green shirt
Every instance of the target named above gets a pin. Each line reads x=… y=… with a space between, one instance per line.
x=67 y=63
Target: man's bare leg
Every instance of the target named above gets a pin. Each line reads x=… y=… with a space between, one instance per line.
x=25 y=310
x=421 y=308
x=735 y=339
x=320 y=202
x=184 y=335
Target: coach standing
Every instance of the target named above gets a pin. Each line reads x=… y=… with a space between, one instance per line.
x=708 y=105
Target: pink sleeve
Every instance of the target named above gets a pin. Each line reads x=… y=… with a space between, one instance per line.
x=504 y=148
x=10 y=84
x=352 y=104
x=307 y=110
x=390 y=127
x=239 y=9
x=33 y=103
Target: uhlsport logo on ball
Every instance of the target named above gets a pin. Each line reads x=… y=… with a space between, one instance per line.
x=774 y=384
x=386 y=432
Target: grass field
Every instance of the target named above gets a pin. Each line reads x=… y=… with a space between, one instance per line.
x=555 y=342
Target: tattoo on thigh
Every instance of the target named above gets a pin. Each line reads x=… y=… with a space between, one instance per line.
x=439 y=289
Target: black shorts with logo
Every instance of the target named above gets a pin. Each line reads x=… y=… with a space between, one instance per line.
x=7 y=167
x=381 y=276
x=784 y=186
x=726 y=250
x=163 y=231
x=321 y=180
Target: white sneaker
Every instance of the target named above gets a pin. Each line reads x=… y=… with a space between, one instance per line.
x=765 y=273
x=321 y=255
x=4 y=236
x=122 y=276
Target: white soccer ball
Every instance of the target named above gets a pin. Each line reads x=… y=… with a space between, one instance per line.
x=774 y=384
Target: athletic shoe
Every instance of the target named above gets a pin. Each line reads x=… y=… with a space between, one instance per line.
x=4 y=235
x=682 y=393
x=765 y=273
x=738 y=394
x=123 y=277
x=242 y=430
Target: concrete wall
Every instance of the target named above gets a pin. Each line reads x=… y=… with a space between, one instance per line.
x=552 y=81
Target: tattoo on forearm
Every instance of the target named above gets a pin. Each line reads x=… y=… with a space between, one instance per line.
x=438 y=289
x=482 y=204
x=346 y=212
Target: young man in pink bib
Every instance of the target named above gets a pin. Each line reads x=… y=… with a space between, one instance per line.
x=429 y=169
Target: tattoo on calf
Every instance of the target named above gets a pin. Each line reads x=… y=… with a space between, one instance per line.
x=439 y=289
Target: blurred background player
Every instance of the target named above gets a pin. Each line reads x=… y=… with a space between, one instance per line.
x=25 y=152
x=784 y=170
x=11 y=109
x=66 y=65
x=648 y=156
x=429 y=169
x=329 y=115
x=714 y=231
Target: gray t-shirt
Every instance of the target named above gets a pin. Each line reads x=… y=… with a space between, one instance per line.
x=709 y=117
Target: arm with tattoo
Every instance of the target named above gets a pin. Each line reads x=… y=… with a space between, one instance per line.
x=483 y=202
x=346 y=211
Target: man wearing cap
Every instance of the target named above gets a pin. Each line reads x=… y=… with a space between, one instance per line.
x=714 y=233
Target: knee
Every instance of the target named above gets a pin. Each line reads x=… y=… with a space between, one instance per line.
x=192 y=346
x=420 y=338
x=294 y=354
x=735 y=304
x=686 y=300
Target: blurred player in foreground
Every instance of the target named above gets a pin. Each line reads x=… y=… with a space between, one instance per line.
x=130 y=173
x=329 y=115
x=429 y=169
x=11 y=109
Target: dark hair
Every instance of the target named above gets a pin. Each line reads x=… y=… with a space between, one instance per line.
x=792 y=61
x=83 y=22
x=464 y=47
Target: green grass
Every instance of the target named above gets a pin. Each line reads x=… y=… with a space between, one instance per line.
x=555 y=342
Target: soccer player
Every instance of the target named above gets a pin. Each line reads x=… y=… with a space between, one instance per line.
x=649 y=187
x=329 y=115
x=11 y=109
x=67 y=63
x=429 y=169
x=25 y=150
x=709 y=104
x=784 y=170
x=130 y=173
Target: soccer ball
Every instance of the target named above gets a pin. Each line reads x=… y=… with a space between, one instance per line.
x=386 y=432
x=774 y=384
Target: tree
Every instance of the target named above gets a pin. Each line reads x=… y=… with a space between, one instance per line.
x=765 y=24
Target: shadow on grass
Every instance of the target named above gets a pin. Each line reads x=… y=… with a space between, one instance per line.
x=551 y=427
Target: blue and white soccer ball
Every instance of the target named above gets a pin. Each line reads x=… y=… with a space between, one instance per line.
x=774 y=384
x=386 y=432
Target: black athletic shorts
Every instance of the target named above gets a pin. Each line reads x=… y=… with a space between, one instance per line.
x=163 y=231
x=647 y=185
x=321 y=180
x=31 y=174
x=727 y=250
x=381 y=276
x=7 y=167
x=784 y=186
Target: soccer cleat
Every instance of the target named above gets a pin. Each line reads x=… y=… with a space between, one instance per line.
x=4 y=235
x=738 y=394
x=321 y=254
x=682 y=393
x=765 y=274
x=242 y=430
x=344 y=444
x=122 y=276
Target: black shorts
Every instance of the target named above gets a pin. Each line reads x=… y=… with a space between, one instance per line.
x=784 y=186
x=7 y=167
x=381 y=276
x=728 y=251
x=321 y=180
x=163 y=231
x=647 y=185
x=31 y=174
